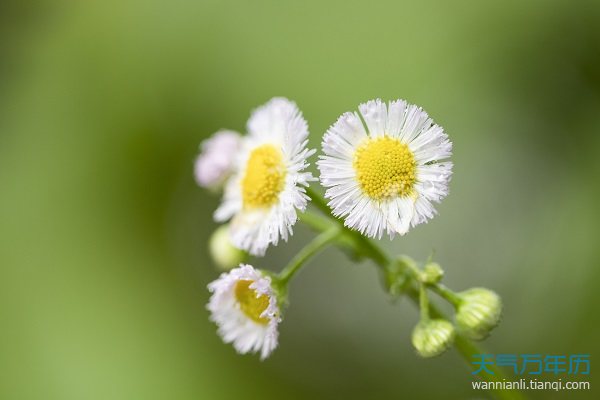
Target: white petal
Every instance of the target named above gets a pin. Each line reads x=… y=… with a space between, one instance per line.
x=374 y=112
x=396 y=115
x=416 y=120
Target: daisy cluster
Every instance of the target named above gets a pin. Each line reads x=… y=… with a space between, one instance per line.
x=383 y=166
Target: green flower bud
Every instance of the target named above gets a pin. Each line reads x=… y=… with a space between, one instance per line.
x=478 y=312
x=224 y=254
x=432 y=337
x=432 y=273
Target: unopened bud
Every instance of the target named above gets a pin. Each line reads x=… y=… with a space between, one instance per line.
x=224 y=254
x=432 y=273
x=478 y=312
x=432 y=337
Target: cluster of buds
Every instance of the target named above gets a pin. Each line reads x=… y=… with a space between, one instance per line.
x=477 y=313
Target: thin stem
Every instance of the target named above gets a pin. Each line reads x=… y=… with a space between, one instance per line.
x=316 y=222
x=423 y=303
x=310 y=250
x=412 y=267
x=348 y=238
x=446 y=293
x=318 y=201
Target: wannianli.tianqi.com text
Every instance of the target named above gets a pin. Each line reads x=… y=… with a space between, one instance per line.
x=531 y=384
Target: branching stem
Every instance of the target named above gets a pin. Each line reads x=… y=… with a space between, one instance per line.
x=365 y=247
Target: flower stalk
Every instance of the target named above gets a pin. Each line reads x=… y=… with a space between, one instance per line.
x=423 y=303
x=446 y=294
x=318 y=244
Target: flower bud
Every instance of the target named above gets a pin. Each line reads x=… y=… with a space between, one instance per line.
x=432 y=337
x=224 y=254
x=432 y=273
x=478 y=312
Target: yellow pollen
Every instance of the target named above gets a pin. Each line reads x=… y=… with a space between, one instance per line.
x=265 y=177
x=250 y=304
x=385 y=168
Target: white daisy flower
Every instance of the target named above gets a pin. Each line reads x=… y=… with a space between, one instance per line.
x=244 y=306
x=385 y=178
x=262 y=197
x=214 y=164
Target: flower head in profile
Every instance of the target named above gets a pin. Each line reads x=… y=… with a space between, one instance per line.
x=244 y=306
x=385 y=175
x=268 y=187
x=214 y=164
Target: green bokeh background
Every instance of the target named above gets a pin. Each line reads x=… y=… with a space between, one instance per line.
x=103 y=262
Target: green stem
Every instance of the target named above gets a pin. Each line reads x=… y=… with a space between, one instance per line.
x=446 y=293
x=310 y=250
x=412 y=267
x=318 y=201
x=423 y=303
x=352 y=239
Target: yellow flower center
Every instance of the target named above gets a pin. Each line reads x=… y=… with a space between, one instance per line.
x=385 y=167
x=251 y=304
x=265 y=177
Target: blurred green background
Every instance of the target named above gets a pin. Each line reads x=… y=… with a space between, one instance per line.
x=103 y=261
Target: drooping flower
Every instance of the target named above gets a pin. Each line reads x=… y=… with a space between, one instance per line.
x=383 y=176
x=263 y=196
x=244 y=306
x=215 y=164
